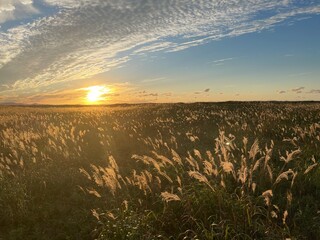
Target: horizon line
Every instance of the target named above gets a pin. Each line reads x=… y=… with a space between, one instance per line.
x=153 y=103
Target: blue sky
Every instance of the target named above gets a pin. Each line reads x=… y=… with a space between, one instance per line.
x=54 y=51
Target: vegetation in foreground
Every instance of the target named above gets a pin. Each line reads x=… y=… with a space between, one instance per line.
x=173 y=171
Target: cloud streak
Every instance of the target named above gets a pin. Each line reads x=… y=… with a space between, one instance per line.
x=314 y=91
x=152 y=80
x=222 y=60
x=85 y=38
x=204 y=91
x=297 y=90
x=16 y=9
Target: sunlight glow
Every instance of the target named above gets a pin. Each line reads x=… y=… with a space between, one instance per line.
x=97 y=93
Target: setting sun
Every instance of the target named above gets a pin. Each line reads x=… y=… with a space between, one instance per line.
x=96 y=93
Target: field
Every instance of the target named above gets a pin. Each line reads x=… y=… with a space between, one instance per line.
x=161 y=171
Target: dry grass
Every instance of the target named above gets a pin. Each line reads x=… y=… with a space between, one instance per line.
x=223 y=172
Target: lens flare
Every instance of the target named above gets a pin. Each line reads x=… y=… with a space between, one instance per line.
x=96 y=94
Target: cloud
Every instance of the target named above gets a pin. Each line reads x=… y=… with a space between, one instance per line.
x=314 y=91
x=149 y=95
x=300 y=74
x=153 y=80
x=57 y=96
x=88 y=37
x=298 y=90
x=222 y=60
x=144 y=93
x=204 y=91
x=16 y=9
x=154 y=47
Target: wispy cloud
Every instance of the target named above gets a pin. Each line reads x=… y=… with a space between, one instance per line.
x=88 y=37
x=300 y=74
x=59 y=97
x=204 y=91
x=221 y=61
x=153 y=47
x=147 y=94
x=151 y=80
x=314 y=91
x=298 y=90
x=16 y=9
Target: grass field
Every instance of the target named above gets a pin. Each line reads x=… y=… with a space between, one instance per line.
x=161 y=171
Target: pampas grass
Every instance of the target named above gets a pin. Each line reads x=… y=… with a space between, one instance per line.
x=193 y=171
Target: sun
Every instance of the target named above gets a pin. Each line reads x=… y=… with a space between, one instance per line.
x=96 y=94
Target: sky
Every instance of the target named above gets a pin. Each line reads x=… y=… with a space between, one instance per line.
x=136 y=51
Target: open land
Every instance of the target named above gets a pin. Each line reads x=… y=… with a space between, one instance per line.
x=161 y=171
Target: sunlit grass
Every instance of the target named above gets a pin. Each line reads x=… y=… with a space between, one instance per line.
x=188 y=171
